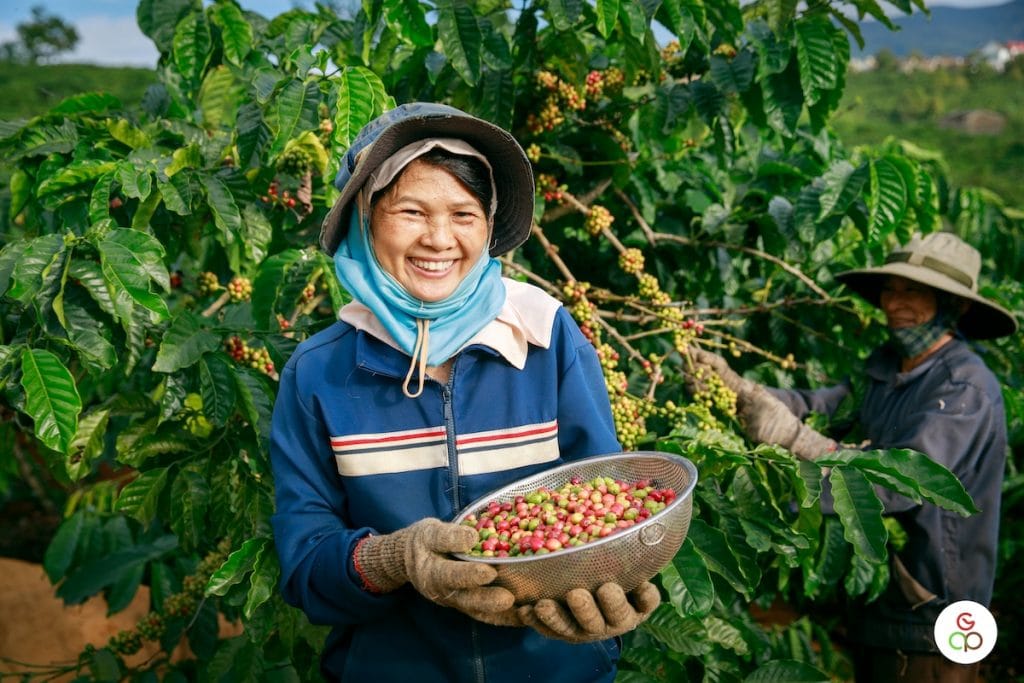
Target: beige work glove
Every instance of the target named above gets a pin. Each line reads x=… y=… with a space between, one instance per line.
x=420 y=555
x=764 y=418
x=586 y=616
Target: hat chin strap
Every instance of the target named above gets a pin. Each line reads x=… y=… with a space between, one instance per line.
x=419 y=357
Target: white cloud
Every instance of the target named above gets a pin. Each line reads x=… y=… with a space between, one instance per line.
x=112 y=41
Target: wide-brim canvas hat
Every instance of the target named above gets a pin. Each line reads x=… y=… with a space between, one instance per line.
x=409 y=123
x=945 y=262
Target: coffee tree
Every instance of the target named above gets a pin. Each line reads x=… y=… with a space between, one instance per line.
x=158 y=267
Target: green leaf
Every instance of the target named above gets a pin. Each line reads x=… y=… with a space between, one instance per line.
x=104 y=665
x=786 y=671
x=130 y=260
x=225 y=211
x=20 y=187
x=713 y=547
x=681 y=635
x=190 y=499
x=860 y=511
x=263 y=581
x=235 y=32
x=257 y=403
x=51 y=398
x=843 y=185
x=75 y=173
x=186 y=156
x=176 y=194
x=33 y=266
x=140 y=498
x=887 y=197
x=296 y=111
x=237 y=566
x=86 y=102
x=693 y=593
x=135 y=182
x=218 y=97
x=90 y=276
x=87 y=445
x=911 y=474
x=101 y=572
x=184 y=343
x=816 y=56
x=832 y=560
x=725 y=634
x=61 y=551
x=607 y=15
x=733 y=75
x=269 y=283
x=157 y=19
x=783 y=99
x=459 y=33
x=409 y=20
x=356 y=106
x=217 y=386
x=633 y=16
x=192 y=43
x=128 y=134
x=565 y=13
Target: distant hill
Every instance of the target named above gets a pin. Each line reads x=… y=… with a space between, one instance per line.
x=950 y=31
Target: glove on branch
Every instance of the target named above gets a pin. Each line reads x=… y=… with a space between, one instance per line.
x=764 y=418
x=587 y=616
x=419 y=554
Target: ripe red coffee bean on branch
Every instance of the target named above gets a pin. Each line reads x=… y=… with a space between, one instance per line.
x=547 y=520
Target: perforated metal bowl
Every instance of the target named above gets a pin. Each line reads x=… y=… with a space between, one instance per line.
x=628 y=557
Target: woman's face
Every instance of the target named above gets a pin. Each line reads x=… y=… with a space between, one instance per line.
x=428 y=231
x=907 y=303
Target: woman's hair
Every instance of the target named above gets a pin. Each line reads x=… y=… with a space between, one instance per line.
x=469 y=171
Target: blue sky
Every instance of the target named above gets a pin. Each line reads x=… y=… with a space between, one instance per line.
x=108 y=33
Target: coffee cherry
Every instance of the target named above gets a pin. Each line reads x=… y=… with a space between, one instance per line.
x=533 y=152
x=632 y=261
x=240 y=289
x=598 y=220
x=125 y=643
x=547 y=520
x=594 y=86
x=295 y=161
x=207 y=283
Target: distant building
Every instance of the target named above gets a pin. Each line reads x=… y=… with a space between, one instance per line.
x=996 y=55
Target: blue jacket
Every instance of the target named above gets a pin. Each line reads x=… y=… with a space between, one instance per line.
x=351 y=454
x=950 y=408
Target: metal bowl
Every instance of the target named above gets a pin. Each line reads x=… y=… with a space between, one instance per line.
x=628 y=557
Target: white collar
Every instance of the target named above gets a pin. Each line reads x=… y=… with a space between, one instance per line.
x=526 y=317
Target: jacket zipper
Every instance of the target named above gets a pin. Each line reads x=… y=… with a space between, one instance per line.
x=453 y=473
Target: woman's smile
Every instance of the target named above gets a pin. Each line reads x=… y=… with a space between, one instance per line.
x=428 y=230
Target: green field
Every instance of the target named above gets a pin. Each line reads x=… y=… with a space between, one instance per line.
x=881 y=104
x=30 y=90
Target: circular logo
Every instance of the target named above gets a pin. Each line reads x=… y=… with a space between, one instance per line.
x=965 y=632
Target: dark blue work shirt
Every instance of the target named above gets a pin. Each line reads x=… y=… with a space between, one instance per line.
x=950 y=408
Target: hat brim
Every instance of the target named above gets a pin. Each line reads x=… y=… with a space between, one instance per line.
x=983 y=320
x=513 y=174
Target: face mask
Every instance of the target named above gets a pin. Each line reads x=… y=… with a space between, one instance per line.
x=913 y=341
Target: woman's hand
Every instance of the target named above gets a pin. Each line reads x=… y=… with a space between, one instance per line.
x=421 y=555
x=764 y=418
x=586 y=616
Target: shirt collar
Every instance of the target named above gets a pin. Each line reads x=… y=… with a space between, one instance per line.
x=526 y=317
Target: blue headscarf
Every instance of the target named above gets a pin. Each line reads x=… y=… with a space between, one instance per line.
x=430 y=332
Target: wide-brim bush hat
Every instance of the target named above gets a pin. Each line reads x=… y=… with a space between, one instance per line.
x=945 y=262
x=409 y=123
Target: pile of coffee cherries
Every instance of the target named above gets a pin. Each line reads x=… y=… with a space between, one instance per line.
x=547 y=520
